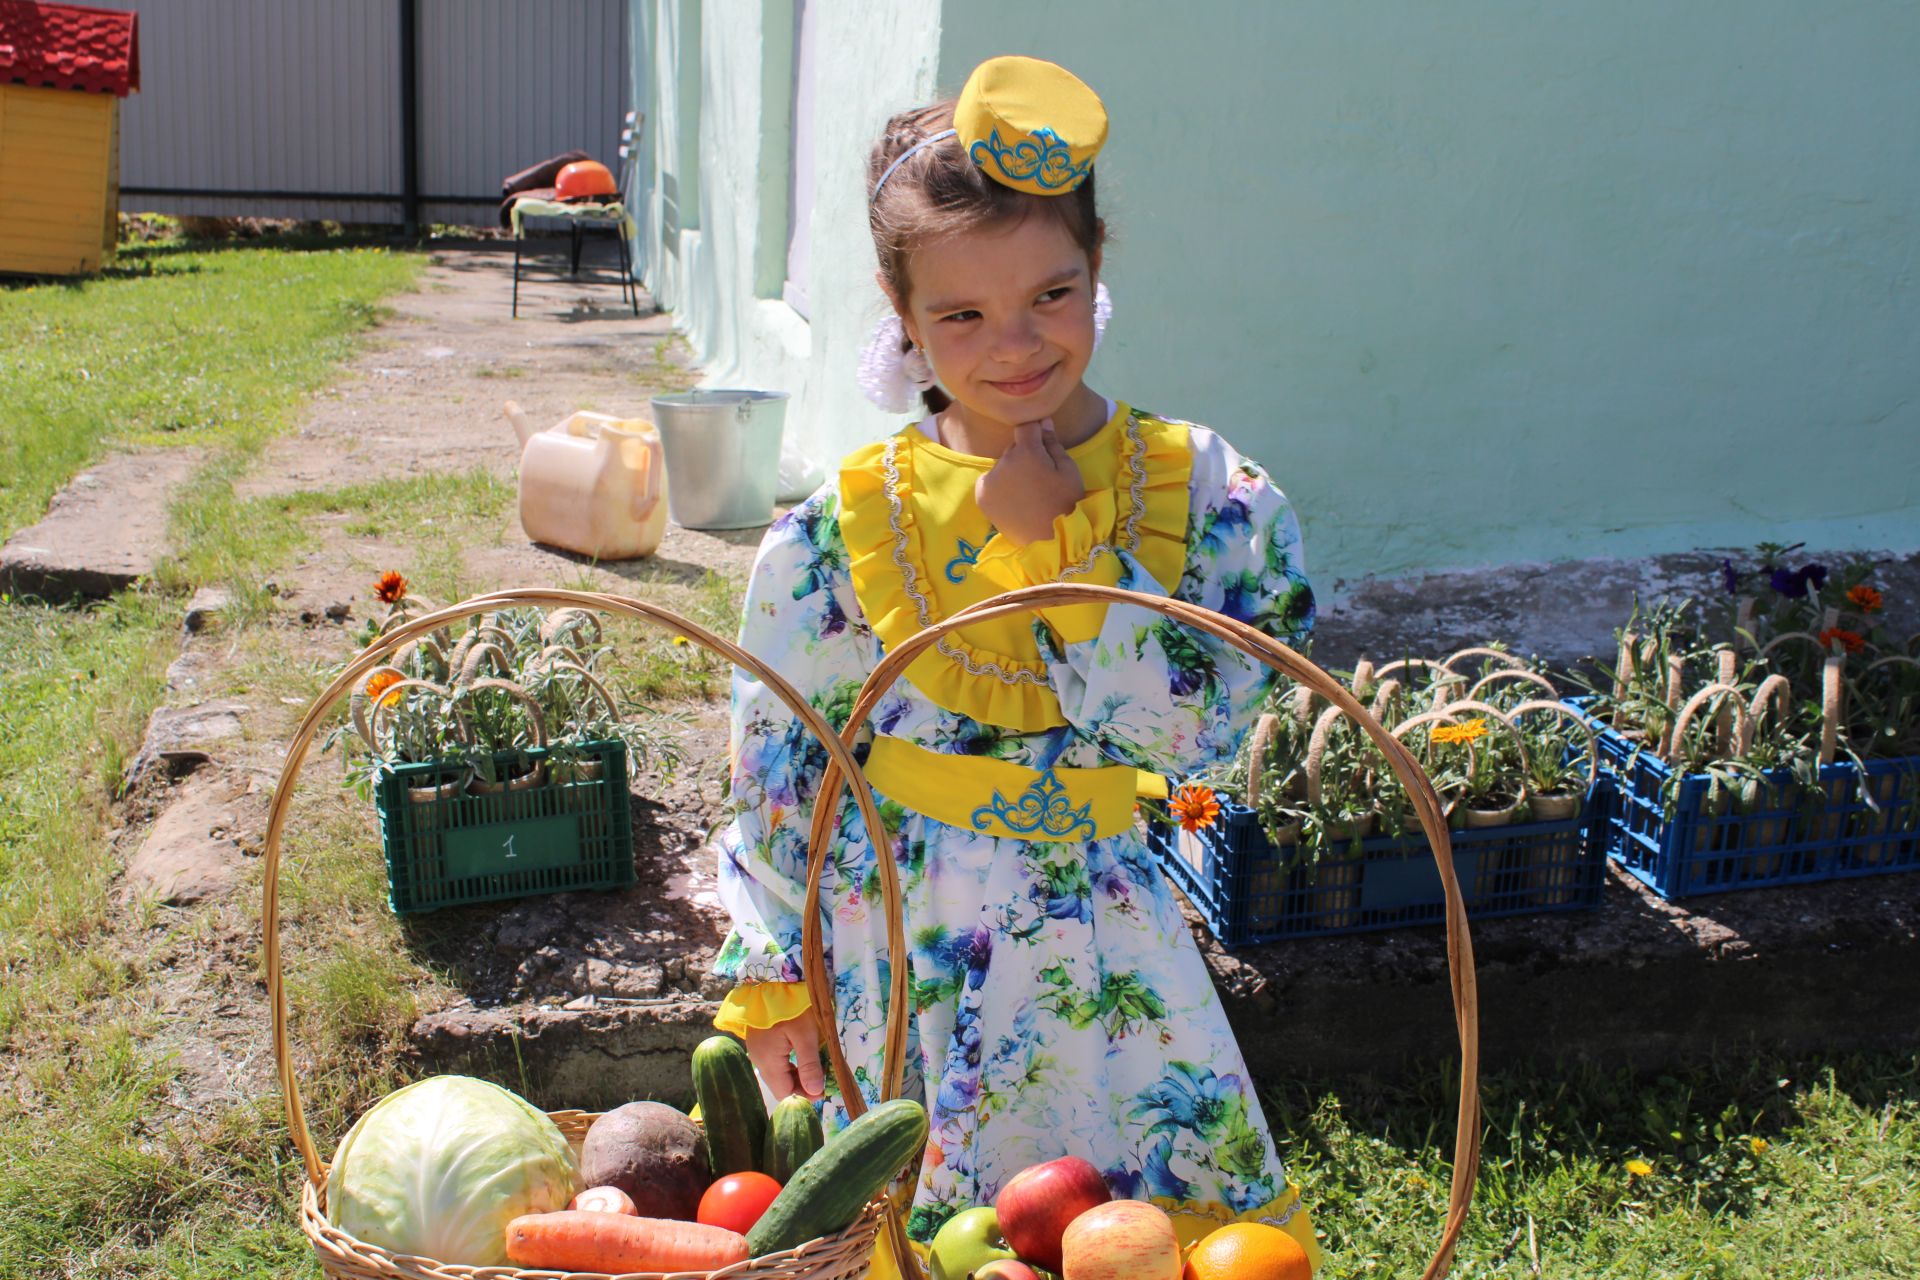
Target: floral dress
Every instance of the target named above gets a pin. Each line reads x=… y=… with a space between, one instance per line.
x=1060 y=1006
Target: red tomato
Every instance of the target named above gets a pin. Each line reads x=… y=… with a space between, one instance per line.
x=737 y=1201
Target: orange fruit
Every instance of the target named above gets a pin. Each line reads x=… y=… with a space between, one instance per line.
x=1248 y=1251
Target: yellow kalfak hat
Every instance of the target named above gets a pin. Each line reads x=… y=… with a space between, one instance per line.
x=1030 y=125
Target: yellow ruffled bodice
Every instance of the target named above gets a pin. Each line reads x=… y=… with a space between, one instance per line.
x=920 y=550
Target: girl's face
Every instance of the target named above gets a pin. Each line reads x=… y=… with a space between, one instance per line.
x=1005 y=315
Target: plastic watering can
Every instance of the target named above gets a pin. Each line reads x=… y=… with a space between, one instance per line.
x=592 y=484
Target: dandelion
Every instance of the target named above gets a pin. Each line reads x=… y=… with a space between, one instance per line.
x=1758 y=1145
x=1851 y=641
x=682 y=641
x=1637 y=1168
x=392 y=588
x=1865 y=598
x=380 y=681
x=1460 y=734
x=1195 y=806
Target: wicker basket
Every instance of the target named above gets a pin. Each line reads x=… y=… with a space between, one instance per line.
x=845 y=1255
x=1466 y=1151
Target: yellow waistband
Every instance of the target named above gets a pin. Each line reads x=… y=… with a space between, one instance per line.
x=1000 y=798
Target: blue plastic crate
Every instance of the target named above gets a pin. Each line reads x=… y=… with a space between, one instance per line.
x=1782 y=834
x=1248 y=894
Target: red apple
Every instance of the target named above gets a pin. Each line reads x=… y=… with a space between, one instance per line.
x=1006 y=1269
x=1124 y=1240
x=1037 y=1204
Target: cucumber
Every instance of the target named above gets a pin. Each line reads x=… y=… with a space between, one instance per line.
x=827 y=1193
x=731 y=1109
x=793 y=1135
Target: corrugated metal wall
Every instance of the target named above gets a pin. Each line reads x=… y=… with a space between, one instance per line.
x=287 y=97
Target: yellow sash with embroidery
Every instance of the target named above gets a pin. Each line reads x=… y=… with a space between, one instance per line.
x=1001 y=798
x=920 y=550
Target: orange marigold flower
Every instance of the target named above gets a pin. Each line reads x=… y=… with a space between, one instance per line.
x=1195 y=806
x=1865 y=598
x=381 y=681
x=1851 y=641
x=392 y=588
x=1464 y=732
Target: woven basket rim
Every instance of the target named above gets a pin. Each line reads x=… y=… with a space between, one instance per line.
x=788 y=1264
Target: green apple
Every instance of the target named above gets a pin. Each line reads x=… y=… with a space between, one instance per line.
x=969 y=1240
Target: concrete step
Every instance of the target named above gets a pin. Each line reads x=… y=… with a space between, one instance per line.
x=599 y=999
x=103 y=532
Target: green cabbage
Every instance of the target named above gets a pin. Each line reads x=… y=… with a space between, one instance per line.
x=440 y=1168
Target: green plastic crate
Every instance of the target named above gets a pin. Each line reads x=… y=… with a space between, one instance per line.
x=449 y=843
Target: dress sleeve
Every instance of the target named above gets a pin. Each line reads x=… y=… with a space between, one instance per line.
x=802 y=620
x=1151 y=692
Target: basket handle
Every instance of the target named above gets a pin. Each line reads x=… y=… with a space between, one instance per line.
x=1505 y=721
x=1408 y=664
x=508 y=687
x=1263 y=648
x=1264 y=731
x=1566 y=712
x=1743 y=722
x=1512 y=673
x=1775 y=693
x=389 y=701
x=840 y=758
x=1501 y=656
x=1833 y=705
x=1438 y=715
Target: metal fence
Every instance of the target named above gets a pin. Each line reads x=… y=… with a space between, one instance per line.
x=396 y=111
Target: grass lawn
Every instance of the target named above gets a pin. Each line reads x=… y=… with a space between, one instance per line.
x=1769 y=1168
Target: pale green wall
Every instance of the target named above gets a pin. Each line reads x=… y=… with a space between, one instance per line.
x=1480 y=281
x=723 y=281
x=1488 y=281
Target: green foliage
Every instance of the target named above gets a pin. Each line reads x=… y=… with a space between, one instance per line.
x=1760 y=1170
x=171 y=348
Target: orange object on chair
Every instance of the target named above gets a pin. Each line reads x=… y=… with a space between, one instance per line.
x=584 y=180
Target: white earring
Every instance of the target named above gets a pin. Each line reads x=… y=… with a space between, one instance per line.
x=891 y=376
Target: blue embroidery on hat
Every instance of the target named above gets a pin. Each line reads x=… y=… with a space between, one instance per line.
x=958 y=566
x=1044 y=807
x=1047 y=162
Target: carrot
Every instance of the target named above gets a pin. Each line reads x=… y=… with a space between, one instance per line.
x=583 y=1240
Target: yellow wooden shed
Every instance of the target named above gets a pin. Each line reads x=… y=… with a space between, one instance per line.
x=63 y=70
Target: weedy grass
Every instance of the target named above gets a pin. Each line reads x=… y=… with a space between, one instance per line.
x=1757 y=1169
x=174 y=346
x=100 y=1173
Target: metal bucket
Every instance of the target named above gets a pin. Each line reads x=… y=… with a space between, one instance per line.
x=723 y=456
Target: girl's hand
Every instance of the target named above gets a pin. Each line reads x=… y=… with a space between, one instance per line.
x=1033 y=482
x=777 y=1051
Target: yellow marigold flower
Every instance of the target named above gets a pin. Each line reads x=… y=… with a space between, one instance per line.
x=1865 y=598
x=1464 y=732
x=1195 y=806
x=392 y=588
x=381 y=681
x=1639 y=1169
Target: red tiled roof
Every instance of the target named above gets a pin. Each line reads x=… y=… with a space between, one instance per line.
x=69 y=46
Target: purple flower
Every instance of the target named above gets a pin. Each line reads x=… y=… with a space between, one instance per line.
x=1728 y=576
x=1794 y=583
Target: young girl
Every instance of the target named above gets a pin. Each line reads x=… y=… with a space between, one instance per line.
x=1061 y=1006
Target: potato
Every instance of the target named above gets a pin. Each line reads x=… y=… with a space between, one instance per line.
x=651 y=1152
